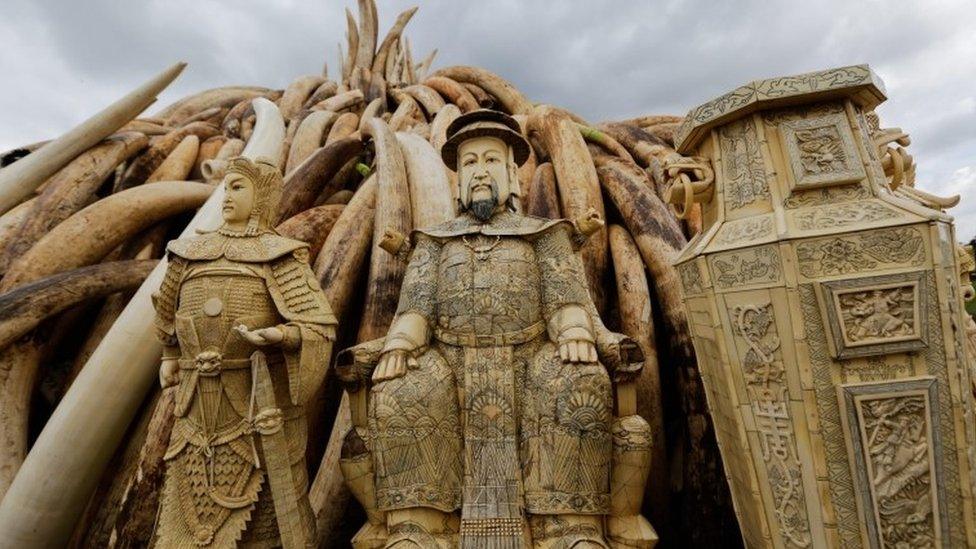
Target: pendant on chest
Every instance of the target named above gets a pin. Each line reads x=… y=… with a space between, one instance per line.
x=482 y=247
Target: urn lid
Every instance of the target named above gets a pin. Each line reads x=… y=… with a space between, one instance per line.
x=858 y=82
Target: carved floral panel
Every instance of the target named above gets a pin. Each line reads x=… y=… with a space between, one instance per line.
x=747 y=267
x=896 y=452
x=876 y=315
x=850 y=253
x=821 y=151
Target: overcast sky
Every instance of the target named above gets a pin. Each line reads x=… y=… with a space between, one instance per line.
x=64 y=60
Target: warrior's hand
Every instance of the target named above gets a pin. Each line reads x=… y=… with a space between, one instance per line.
x=576 y=346
x=393 y=364
x=169 y=373
x=262 y=336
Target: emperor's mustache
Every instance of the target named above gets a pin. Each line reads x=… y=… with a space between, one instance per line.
x=483 y=209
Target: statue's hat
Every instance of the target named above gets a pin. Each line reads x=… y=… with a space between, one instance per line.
x=484 y=122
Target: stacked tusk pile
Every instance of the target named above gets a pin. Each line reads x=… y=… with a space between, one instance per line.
x=85 y=217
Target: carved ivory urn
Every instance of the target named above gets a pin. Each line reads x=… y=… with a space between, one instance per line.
x=824 y=301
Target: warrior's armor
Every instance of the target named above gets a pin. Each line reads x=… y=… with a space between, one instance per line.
x=216 y=492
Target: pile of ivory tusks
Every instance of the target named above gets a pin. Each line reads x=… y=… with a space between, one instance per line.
x=86 y=217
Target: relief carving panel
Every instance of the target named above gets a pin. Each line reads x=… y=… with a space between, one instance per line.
x=823 y=195
x=743 y=231
x=832 y=216
x=821 y=151
x=690 y=275
x=876 y=315
x=896 y=451
x=744 y=172
x=751 y=266
x=861 y=251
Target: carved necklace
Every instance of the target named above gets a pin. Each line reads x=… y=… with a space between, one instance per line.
x=481 y=251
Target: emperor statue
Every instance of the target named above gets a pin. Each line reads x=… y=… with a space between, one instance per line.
x=247 y=334
x=490 y=418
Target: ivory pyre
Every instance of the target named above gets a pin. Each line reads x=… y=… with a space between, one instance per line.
x=824 y=300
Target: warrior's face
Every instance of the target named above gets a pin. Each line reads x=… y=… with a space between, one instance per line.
x=485 y=169
x=238 y=200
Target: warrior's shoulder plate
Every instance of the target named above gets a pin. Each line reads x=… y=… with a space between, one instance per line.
x=295 y=290
x=249 y=249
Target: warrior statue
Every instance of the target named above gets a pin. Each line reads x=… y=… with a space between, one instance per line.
x=247 y=334
x=490 y=418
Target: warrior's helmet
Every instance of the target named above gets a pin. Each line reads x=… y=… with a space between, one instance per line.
x=266 y=178
x=490 y=123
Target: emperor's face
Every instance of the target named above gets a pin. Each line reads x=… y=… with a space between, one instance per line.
x=238 y=199
x=483 y=175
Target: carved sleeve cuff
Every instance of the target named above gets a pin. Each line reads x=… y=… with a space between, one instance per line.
x=171 y=350
x=409 y=332
x=570 y=318
x=292 y=335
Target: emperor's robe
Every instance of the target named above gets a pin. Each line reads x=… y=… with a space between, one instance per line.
x=491 y=419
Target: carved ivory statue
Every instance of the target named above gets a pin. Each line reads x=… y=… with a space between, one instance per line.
x=247 y=334
x=490 y=420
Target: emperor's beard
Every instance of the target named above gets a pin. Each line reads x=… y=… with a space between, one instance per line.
x=484 y=209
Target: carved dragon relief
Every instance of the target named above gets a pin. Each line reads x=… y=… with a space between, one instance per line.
x=832 y=216
x=821 y=151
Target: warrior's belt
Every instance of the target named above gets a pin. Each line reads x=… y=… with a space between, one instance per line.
x=269 y=422
x=516 y=337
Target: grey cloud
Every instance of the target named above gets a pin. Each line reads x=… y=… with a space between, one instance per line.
x=63 y=61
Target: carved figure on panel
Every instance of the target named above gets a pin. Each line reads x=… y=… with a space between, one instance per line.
x=893 y=441
x=878 y=314
x=490 y=418
x=247 y=334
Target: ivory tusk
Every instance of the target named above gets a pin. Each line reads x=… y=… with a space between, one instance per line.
x=510 y=98
x=21 y=178
x=87 y=236
x=430 y=188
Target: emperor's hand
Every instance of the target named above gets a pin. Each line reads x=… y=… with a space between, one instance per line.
x=169 y=373
x=262 y=336
x=393 y=364
x=576 y=346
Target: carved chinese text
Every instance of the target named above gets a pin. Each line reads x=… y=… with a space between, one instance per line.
x=764 y=375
